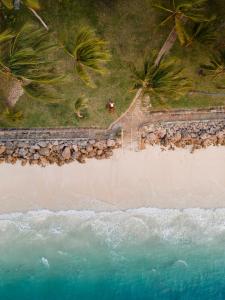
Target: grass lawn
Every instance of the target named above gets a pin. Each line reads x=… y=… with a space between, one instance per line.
x=131 y=29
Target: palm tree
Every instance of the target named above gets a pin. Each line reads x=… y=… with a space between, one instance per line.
x=203 y=33
x=80 y=104
x=216 y=66
x=182 y=11
x=162 y=81
x=31 y=5
x=89 y=53
x=25 y=62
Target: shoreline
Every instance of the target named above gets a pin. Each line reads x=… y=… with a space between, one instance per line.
x=129 y=180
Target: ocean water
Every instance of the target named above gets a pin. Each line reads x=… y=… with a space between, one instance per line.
x=124 y=255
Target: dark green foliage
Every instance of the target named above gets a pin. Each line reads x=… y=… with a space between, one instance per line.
x=89 y=53
x=25 y=56
x=163 y=81
x=216 y=66
x=183 y=11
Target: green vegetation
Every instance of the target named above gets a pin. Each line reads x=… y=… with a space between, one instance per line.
x=132 y=32
x=80 y=105
x=163 y=81
x=25 y=65
x=181 y=12
x=216 y=67
x=89 y=53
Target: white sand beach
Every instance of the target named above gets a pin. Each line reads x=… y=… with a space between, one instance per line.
x=150 y=178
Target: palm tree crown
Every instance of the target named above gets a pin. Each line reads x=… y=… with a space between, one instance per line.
x=204 y=33
x=89 y=54
x=24 y=57
x=184 y=10
x=162 y=81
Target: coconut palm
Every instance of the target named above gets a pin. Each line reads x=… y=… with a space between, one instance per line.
x=203 y=33
x=25 y=62
x=216 y=66
x=180 y=12
x=89 y=53
x=162 y=81
x=80 y=104
x=32 y=5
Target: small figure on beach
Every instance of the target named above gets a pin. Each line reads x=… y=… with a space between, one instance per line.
x=110 y=106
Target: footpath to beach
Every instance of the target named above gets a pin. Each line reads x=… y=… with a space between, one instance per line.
x=135 y=129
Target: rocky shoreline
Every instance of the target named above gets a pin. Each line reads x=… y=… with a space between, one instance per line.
x=57 y=152
x=194 y=134
x=168 y=135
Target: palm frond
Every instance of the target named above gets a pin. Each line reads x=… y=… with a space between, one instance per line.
x=193 y=10
x=8 y=4
x=180 y=31
x=42 y=93
x=35 y=4
x=164 y=80
x=80 y=104
x=6 y=35
x=90 y=54
x=216 y=66
x=204 y=33
x=26 y=58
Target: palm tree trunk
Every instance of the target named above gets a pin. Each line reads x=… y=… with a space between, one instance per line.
x=15 y=91
x=170 y=41
x=39 y=18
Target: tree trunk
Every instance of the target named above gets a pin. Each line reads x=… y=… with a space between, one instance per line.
x=39 y=18
x=167 y=46
x=171 y=39
x=15 y=91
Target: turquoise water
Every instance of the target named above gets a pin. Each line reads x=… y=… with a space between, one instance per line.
x=137 y=254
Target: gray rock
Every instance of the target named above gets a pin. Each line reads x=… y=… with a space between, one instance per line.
x=162 y=133
x=55 y=143
x=36 y=156
x=2 y=149
x=42 y=144
x=35 y=147
x=99 y=152
x=92 y=142
x=9 y=145
x=100 y=145
x=22 y=152
x=82 y=143
x=111 y=143
x=75 y=155
x=89 y=148
x=75 y=148
x=44 y=152
x=9 y=151
x=152 y=138
x=66 y=154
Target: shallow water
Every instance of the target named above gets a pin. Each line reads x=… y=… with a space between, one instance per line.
x=135 y=254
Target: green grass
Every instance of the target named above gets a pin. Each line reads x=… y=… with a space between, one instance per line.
x=131 y=29
x=190 y=101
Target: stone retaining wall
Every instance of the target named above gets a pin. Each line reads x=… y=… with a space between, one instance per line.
x=56 y=146
x=197 y=134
